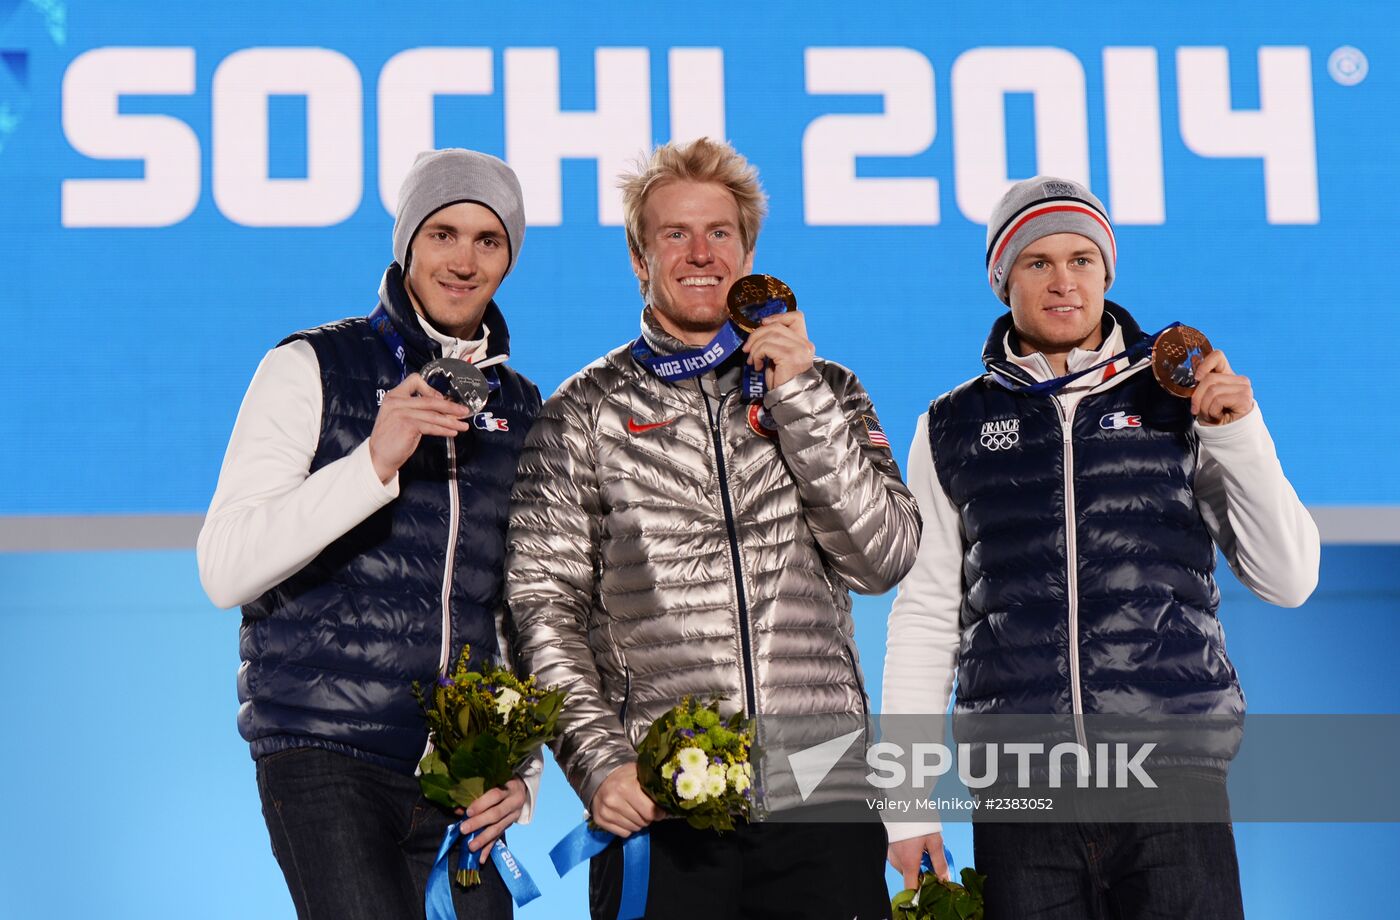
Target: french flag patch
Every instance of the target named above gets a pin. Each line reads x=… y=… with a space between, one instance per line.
x=1116 y=421
x=874 y=432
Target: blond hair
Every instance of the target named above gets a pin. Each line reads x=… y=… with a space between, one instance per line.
x=700 y=160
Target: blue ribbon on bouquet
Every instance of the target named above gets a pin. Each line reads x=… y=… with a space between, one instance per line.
x=438 y=899
x=584 y=842
x=926 y=863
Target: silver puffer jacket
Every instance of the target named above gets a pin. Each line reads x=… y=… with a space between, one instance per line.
x=655 y=554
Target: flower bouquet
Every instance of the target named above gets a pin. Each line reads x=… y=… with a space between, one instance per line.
x=483 y=726
x=694 y=763
x=936 y=899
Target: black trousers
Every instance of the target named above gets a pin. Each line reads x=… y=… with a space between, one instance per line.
x=767 y=871
x=1092 y=868
x=356 y=841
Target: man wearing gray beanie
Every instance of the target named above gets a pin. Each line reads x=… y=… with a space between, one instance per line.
x=1073 y=510
x=359 y=521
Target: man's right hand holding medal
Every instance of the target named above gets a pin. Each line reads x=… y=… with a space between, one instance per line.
x=782 y=342
x=1221 y=396
x=1186 y=365
x=408 y=412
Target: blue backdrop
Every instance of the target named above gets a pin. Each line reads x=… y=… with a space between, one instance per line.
x=181 y=185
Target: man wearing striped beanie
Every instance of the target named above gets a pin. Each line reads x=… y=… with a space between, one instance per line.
x=1072 y=512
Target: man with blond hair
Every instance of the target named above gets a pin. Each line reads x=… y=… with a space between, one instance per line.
x=672 y=534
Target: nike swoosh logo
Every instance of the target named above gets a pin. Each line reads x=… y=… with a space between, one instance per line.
x=638 y=427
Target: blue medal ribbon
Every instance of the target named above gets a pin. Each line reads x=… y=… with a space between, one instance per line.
x=585 y=842
x=755 y=383
x=1132 y=353
x=437 y=900
x=686 y=364
x=379 y=320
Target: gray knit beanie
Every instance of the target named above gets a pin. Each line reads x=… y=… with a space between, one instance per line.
x=1039 y=207
x=443 y=177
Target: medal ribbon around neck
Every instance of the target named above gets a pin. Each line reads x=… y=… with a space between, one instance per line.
x=730 y=339
x=693 y=362
x=1132 y=353
x=379 y=319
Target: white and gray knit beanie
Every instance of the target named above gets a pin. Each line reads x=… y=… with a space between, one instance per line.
x=440 y=178
x=1039 y=207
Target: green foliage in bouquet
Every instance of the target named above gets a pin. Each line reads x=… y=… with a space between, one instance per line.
x=483 y=726
x=940 y=900
x=695 y=763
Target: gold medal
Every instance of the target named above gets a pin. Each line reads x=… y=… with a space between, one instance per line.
x=1175 y=356
x=753 y=297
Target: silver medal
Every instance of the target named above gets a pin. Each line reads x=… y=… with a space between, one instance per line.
x=459 y=381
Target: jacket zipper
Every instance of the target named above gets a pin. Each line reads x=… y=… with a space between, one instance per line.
x=626 y=695
x=1072 y=561
x=860 y=686
x=1072 y=574
x=750 y=703
x=454 y=513
x=454 y=506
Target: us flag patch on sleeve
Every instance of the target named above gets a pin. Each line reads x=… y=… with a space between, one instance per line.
x=874 y=432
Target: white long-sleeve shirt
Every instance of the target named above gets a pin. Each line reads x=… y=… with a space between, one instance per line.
x=270 y=515
x=1250 y=509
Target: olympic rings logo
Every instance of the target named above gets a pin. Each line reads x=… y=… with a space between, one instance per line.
x=1001 y=434
x=1000 y=440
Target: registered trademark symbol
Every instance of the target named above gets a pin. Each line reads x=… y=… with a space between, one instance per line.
x=1347 y=65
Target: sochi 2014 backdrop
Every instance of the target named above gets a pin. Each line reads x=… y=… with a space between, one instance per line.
x=184 y=184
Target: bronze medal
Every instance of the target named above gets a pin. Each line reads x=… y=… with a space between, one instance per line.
x=1175 y=356
x=459 y=381
x=753 y=297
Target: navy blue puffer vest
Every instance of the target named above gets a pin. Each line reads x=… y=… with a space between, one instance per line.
x=1084 y=551
x=330 y=654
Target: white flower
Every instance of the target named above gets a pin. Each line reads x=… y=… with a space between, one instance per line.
x=716 y=769
x=693 y=759
x=714 y=783
x=689 y=785
x=668 y=769
x=505 y=701
x=739 y=776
